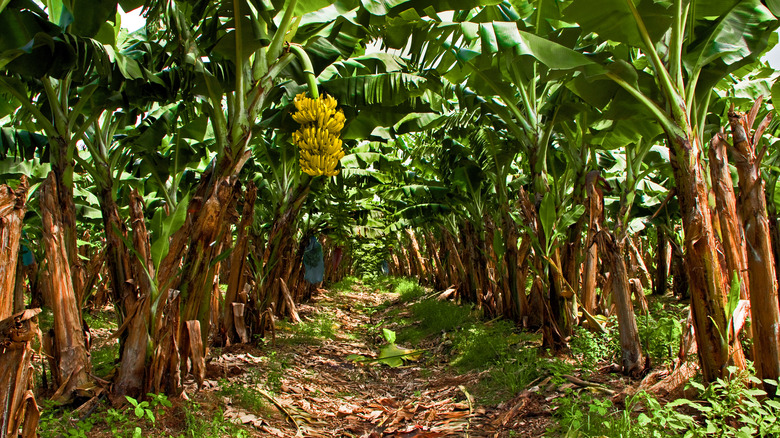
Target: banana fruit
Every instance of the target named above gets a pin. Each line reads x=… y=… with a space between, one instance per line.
x=318 y=137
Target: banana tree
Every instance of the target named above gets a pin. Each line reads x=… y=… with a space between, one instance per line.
x=50 y=67
x=699 y=49
x=502 y=55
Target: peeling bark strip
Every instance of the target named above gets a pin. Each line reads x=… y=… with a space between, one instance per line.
x=72 y=363
x=732 y=234
x=238 y=268
x=595 y=218
x=632 y=362
x=12 y=209
x=707 y=283
x=17 y=402
x=760 y=260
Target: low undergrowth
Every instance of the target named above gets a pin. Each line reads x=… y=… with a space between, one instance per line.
x=510 y=358
x=729 y=407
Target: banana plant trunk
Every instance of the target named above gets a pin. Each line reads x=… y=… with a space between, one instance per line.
x=614 y=251
x=515 y=306
x=453 y=258
x=731 y=229
x=422 y=272
x=280 y=250
x=71 y=360
x=62 y=167
x=705 y=280
x=18 y=409
x=213 y=220
x=439 y=273
x=760 y=260
x=237 y=276
x=595 y=206
x=12 y=208
x=132 y=357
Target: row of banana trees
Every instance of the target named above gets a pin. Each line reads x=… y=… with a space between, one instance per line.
x=171 y=147
x=497 y=130
x=547 y=110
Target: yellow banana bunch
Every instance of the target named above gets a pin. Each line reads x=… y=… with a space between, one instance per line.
x=318 y=137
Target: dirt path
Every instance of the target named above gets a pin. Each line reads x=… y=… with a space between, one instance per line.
x=305 y=385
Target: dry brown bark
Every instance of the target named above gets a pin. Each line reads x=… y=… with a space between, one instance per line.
x=760 y=260
x=18 y=409
x=422 y=272
x=639 y=268
x=71 y=360
x=702 y=262
x=439 y=273
x=661 y=266
x=632 y=359
x=731 y=230
x=453 y=258
x=595 y=209
x=12 y=209
x=239 y=266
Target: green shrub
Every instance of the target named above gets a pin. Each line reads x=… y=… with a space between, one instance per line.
x=726 y=408
x=590 y=347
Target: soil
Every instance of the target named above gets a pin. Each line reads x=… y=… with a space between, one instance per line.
x=296 y=385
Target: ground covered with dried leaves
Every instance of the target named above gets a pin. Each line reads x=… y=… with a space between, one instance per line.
x=368 y=360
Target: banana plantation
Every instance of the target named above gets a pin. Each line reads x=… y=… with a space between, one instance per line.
x=389 y=218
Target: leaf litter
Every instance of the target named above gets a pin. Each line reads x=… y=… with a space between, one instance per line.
x=358 y=383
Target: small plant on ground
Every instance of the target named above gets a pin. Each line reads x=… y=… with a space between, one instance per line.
x=310 y=331
x=726 y=408
x=590 y=347
x=201 y=425
x=242 y=395
x=409 y=289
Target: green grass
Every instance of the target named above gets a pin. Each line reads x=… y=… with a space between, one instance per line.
x=346 y=283
x=310 y=331
x=243 y=396
x=408 y=289
x=104 y=359
x=100 y=320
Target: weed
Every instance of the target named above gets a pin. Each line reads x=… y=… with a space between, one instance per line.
x=200 y=426
x=243 y=396
x=56 y=421
x=481 y=345
x=311 y=331
x=346 y=283
x=276 y=372
x=591 y=348
x=441 y=316
x=141 y=409
x=104 y=359
x=100 y=320
x=513 y=373
x=660 y=332
x=409 y=289
x=726 y=408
